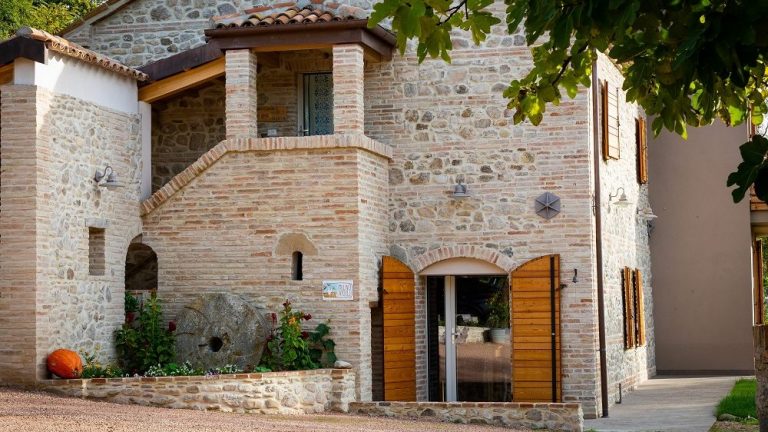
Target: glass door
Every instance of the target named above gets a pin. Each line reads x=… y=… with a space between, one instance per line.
x=469 y=351
x=318 y=104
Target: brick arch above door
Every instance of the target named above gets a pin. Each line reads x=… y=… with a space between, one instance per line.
x=492 y=256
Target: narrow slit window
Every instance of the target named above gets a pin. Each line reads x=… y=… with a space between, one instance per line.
x=297 y=270
x=96 y=246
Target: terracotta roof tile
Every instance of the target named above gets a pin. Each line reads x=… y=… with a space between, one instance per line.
x=63 y=46
x=300 y=12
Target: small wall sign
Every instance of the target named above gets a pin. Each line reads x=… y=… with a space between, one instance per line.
x=337 y=290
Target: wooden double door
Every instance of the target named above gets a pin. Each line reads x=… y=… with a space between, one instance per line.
x=466 y=354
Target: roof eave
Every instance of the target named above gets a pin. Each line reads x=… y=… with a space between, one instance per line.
x=277 y=37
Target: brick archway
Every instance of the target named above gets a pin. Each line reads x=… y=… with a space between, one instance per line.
x=492 y=256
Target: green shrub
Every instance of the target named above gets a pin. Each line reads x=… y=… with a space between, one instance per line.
x=321 y=347
x=92 y=368
x=146 y=342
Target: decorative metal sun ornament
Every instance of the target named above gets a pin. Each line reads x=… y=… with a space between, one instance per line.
x=548 y=205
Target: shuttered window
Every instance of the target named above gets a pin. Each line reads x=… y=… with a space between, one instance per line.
x=610 y=121
x=642 y=151
x=634 y=308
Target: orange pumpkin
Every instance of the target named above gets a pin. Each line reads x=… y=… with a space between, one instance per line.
x=65 y=364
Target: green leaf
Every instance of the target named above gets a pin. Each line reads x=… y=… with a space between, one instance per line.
x=753 y=155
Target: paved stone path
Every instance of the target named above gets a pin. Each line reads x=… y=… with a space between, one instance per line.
x=667 y=404
x=28 y=411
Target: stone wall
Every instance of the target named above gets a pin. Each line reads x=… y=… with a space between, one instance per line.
x=73 y=306
x=184 y=128
x=299 y=392
x=561 y=417
x=216 y=228
x=625 y=244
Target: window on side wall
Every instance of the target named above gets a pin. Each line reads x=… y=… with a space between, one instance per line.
x=642 y=151
x=610 y=121
x=634 y=308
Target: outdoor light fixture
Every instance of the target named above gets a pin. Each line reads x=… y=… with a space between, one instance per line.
x=460 y=190
x=575 y=275
x=107 y=179
x=622 y=201
x=646 y=214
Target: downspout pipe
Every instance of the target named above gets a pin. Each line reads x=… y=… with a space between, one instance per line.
x=599 y=244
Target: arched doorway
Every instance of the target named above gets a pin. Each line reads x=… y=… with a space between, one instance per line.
x=140 y=271
x=468 y=331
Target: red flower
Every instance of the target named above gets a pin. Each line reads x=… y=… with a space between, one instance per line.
x=286 y=304
x=304 y=335
x=307 y=317
x=171 y=326
x=274 y=319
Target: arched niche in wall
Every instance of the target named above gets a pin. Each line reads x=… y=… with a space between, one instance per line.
x=297 y=246
x=140 y=268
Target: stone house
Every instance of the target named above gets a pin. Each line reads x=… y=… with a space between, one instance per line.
x=284 y=152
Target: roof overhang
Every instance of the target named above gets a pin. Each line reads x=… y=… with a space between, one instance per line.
x=377 y=42
x=33 y=44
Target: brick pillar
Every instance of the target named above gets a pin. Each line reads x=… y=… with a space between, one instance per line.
x=18 y=230
x=241 y=94
x=348 y=108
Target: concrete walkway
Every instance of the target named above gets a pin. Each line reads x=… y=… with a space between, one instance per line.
x=668 y=404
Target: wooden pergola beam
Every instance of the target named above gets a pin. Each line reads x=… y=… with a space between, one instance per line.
x=178 y=83
x=6 y=74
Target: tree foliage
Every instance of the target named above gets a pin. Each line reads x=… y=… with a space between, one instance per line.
x=686 y=62
x=49 y=15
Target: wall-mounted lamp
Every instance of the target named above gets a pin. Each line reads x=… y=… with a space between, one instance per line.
x=460 y=191
x=622 y=201
x=107 y=179
x=646 y=214
x=575 y=275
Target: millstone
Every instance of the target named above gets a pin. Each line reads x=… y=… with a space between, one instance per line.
x=219 y=329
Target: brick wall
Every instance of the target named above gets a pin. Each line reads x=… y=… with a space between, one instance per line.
x=69 y=141
x=220 y=231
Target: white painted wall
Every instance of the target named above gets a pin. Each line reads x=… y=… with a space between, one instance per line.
x=72 y=77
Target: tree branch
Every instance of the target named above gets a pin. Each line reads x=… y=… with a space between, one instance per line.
x=453 y=11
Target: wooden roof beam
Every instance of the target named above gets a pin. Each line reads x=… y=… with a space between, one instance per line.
x=175 y=84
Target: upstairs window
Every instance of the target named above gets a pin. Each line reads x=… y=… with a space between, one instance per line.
x=610 y=122
x=642 y=151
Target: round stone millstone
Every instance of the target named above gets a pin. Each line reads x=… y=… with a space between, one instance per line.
x=219 y=329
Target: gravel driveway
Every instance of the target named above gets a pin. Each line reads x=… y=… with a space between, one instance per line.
x=29 y=411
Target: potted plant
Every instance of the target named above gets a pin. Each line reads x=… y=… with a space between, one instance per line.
x=131 y=307
x=498 y=318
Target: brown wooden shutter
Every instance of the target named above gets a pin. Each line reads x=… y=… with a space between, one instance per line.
x=629 y=312
x=640 y=308
x=604 y=119
x=642 y=151
x=533 y=357
x=398 y=301
x=758 y=283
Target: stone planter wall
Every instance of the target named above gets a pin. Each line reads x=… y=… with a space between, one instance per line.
x=299 y=392
x=566 y=417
